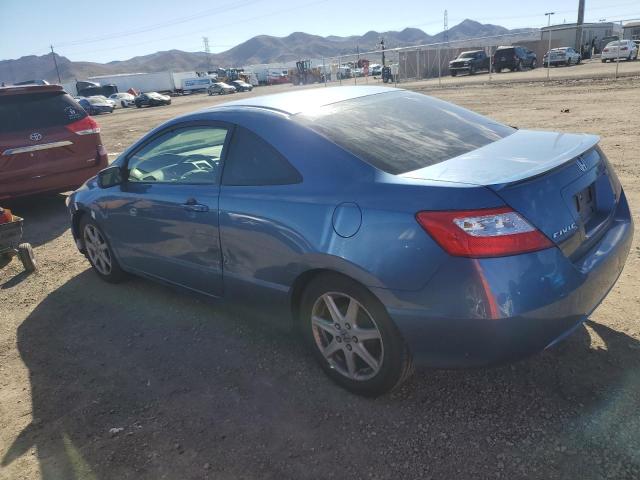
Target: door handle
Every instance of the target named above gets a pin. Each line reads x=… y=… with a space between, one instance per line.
x=192 y=205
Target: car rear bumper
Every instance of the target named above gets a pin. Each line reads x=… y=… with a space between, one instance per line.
x=56 y=183
x=495 y=310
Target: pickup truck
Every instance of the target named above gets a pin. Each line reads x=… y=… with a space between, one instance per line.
x=470 y=62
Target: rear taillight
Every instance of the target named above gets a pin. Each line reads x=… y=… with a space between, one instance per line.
x=605 y=50
x=494 y=232
x=86 y=126
x=624 y=48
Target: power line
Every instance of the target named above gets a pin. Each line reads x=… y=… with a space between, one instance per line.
x=148 y=28
x=218 y=28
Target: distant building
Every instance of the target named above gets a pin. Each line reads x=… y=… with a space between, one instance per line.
x=592 y=33
x=631 y=30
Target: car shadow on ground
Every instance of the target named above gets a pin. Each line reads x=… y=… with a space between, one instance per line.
x=45 y=217
x=140 y=381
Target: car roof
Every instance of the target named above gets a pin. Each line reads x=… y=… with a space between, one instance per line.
x=25 y=89
x=299 y=101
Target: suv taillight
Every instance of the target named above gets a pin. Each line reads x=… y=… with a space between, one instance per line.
x=493 y=232
x=86 y=126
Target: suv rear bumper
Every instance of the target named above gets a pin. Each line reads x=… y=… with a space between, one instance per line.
x=495 y=310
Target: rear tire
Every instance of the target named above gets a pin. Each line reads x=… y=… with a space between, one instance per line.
x=99 y=252
x=25 y=253
x=376 y=362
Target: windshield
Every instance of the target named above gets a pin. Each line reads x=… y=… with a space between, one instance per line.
x=467 y=54
x=402 y=131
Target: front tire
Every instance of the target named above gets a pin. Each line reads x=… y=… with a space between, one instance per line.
x=99 y=253
x=352 y=337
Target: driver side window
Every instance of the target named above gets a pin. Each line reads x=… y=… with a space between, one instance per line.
x=189 y=155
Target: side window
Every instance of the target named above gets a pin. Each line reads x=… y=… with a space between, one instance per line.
x=252 y=161
x=189 y=155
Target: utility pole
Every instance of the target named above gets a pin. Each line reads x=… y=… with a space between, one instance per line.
x=548 y=14
x=55 y=62
x=382 y=47
x=579 y=26
x=446 y=27
x=205 y=40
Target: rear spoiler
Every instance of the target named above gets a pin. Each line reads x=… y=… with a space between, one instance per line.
x=26 y=89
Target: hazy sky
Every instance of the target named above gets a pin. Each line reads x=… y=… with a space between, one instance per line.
x=101 y=31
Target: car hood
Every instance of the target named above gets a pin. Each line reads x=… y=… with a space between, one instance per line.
x=523 y=154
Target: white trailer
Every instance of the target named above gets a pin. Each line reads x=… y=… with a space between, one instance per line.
x=196 y=83
x=145 y=82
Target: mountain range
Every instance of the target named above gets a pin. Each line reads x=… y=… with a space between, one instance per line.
x=259 y=49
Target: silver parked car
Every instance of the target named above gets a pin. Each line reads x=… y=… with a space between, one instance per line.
x=220 y=88
x=562 y=56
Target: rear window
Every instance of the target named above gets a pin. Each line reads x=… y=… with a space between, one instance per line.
x=505 y=50
x=38 y=110
x=402 y=131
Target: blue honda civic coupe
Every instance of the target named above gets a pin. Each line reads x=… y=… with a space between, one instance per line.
x=391 y=227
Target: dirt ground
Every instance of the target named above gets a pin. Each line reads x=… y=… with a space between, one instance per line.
x=138 y=381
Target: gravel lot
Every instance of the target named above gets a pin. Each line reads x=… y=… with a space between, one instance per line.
x=139 y=381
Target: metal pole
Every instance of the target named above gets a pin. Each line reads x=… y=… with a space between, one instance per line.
x=548 y=14
x=395 y=77
x=55 y=62
x=406 y=76
x=439 y=67
x=340 y=69
x=324 y=72
x=490 y=64
x=418 y=72
x=618 y=55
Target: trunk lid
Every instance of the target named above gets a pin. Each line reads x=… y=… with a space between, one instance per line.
x=561 y=183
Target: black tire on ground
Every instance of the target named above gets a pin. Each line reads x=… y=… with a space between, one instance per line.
x=534 y=63
x=519 y=66
x=116 y=274
x=396 y=363
x=454 y=73
x=472 y=70
x=568 y=63
x=25 y=253
x=124 y=104
x=138 y=105
x=604 y=60
x=498 y=70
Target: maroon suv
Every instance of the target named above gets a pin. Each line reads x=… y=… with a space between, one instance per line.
x=48 y=143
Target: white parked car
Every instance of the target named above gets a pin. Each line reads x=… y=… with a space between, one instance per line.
x=562 y=56
x=123 y=99
x=104 y=99
x=623 y=49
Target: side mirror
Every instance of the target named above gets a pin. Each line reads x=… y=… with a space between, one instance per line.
x=110 y=177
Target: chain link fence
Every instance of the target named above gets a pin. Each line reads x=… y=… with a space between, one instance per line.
x=432 y=62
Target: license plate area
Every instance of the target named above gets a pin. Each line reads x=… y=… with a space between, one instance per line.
x=585 y=203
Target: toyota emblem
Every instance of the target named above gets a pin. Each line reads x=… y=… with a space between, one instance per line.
x=582 y=165
x=35 y=136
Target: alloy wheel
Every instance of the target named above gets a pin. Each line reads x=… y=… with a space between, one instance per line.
x=347 y=336
x=97 y=249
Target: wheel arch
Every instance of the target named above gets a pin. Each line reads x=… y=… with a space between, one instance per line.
x=76 y=218
x=303 y=280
